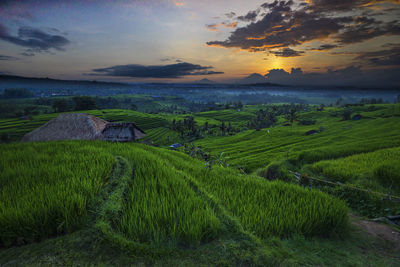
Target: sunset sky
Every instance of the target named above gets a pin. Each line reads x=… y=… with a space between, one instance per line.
x=187 y=40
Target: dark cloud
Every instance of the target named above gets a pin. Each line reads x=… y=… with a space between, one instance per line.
x=282 y=27
x=230 y=15
x=351 y=75
x=34 y=39
x=287 y=52
x=27 y=53
x=5 y=57
x=285 y=23
x=388 y=57
x=177 y=70
x=367 y=28
x=325 y=47
x=344 y=5
x=250 y=16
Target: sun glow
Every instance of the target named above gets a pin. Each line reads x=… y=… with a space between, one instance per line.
x=275 y=63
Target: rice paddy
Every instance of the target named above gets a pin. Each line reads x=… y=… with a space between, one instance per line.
x=45 y=189
x=166 y=199
x=160 y=206
x=378 y=170
x=253 y=149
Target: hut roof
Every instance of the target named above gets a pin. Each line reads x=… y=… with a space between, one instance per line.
x=81 y=126
x=73 y=126
x=122 y=125
x=117 y=132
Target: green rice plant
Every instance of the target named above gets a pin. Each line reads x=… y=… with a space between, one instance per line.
x=256 y=149
x=45 y=188
x=376 y=170
x=162 y=136
x=160 y=206
x=264 y=208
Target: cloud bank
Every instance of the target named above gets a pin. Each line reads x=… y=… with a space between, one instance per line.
x=286 y=23
x=34 y=39
x=177 y=70
x=352 y=75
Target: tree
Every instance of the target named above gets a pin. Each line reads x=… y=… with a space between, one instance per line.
x=205 y=126
x=84 y=102
x=134 y=107
x=31 y=110
x=291 y=117
x=60 y=105
x=17 y=93
x=230 y=128
x=346 y=115
x=340 y=100
x=173 y=126
x=223 y=128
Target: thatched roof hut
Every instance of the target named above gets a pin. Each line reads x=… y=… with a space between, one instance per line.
x=80 y=126
x=122 y=132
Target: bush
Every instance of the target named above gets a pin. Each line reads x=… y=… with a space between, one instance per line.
x=388 y=175
x=307 y=122
x=364 y=203
x=275 y=171
x=346 y=115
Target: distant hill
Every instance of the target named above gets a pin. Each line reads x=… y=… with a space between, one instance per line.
x=204 y=81
x=252 y=79
x=11 y=80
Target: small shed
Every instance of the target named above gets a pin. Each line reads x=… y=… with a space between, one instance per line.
x=122 y=132
x=175 y=146
x=310 y=132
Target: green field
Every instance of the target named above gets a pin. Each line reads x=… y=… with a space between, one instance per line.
x=45 y=189
x=17 y=128
x=85 y=202
x=378 y=170
x=256 y=149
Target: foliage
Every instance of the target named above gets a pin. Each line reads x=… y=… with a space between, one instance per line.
x=16 y=93
x=346 y=115
x=60 y=105
x=84 y=102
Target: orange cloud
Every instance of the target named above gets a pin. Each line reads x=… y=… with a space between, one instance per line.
x=179 y=3
x=214 y=27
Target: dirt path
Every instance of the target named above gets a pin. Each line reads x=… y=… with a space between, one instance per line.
x=379 y=230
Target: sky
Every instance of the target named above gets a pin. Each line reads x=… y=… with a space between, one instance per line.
x=298 y=42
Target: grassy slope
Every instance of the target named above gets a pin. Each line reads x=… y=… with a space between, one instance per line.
x=255 y=149
x=379 y=126
x=226 y=198
x=18 y=127
x=376 y=170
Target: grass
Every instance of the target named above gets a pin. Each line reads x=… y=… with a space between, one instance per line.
x=256 y=149
x=265 y=208
x=162 y=136
x=161 y=207
x=376 y=170
x=165 y=208
x=161 y=204
x=17 y=128
x=45 y=189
